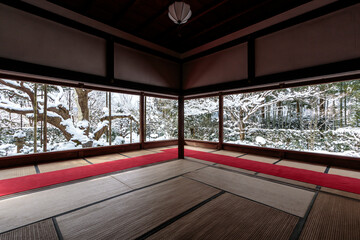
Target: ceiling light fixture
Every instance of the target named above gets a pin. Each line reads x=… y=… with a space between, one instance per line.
x=179 y=12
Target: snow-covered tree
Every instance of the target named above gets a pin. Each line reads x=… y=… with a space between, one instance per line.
x=74 y=127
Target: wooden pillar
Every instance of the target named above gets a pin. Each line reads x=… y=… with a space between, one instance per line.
x=142 y=120
x=181 y=127
x=221 y=121
x=45 y=119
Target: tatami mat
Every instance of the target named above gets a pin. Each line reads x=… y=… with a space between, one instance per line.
x=33 y=207
x=285 y=180
x=105 y=158
x=131 y=215
x=200 y=161
x=199 y=149
x=6 y=173
x=146 y=176
x=333 y=217
x=229 y=153
x=259 y=158
x=159 y=149
x=231 y=217
x=345 y=172
x=137 y=153
x=286 y=198
x=342 y=193
x=302 y=165
x=54 y=166
x=234 y=168
x=43 y=230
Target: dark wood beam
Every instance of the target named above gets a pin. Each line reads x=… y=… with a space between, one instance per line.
x=279 y=80
x=23 y=68
x=227 y=20
x=118 y=15
x=83 y=27
x=192 y=19
x=181 y=127
x=87 y=6
x=149 y=21
x=316 y=13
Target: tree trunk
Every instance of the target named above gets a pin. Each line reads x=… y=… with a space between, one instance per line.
x=341 y=105
x=83 y=105
x=279 y=114
x=130 y=130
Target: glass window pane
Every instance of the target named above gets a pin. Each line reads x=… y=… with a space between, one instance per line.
x=319 y=118
x=17 y=101
x=125 y=118
x=76 y=118
x=202 y=119
x=161 y=119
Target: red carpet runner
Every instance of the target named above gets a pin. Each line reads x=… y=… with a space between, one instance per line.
x=322 y=179
x=20 y=184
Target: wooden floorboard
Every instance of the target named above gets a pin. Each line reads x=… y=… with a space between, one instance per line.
x=105 y=158
x=286 y=198
x=231 y=217
x=333 y=217
x=54 y=166
x=36 y=206
x=43 y=230
x=302 y=165
x=260 y=158
x=345 y=172
x=133 y=214
x=285 y=180
x=7 y=173
x=149 y=175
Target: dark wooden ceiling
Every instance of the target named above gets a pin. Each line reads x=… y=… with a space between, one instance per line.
x=210 y=19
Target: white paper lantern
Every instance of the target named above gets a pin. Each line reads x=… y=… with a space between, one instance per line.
x=179 y=12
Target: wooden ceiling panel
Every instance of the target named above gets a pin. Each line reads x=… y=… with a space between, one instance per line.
x=210 y=19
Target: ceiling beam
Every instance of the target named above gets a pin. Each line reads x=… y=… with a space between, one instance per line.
x=228 y=20
x=192 y=19
x=149 y=21
x=86 y=6
x=122 y=12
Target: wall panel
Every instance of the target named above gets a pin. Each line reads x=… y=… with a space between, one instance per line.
x=32 y=39
x=135 y=66
x=331 y=38
x=224 y=66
